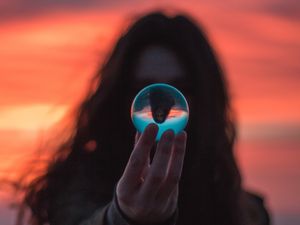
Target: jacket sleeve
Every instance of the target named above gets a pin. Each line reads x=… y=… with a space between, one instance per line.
x=111 y=214
x=79 y=203
x=255 y=212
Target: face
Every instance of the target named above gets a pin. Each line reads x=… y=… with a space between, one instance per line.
x=158 y=64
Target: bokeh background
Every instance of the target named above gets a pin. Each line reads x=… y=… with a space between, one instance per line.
x=49 y=50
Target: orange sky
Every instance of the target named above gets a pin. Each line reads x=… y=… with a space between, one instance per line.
x=49 y=52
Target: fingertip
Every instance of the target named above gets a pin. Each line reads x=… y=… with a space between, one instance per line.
x=153 y=126
x=168 y=135
x=182 y=135
x=171 y=131
x=150 y=132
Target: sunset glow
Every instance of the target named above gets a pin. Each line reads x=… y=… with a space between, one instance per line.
x=48 y=56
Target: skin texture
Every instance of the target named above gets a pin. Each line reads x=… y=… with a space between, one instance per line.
x=149 y=193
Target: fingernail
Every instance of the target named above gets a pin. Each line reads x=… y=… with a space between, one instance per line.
x=153 y=126
x=169 y=134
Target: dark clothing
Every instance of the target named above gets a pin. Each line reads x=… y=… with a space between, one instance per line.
x=111 y=214
x=255 y=213
x=77 y=204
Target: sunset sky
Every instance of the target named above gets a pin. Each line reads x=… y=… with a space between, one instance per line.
x=50 y=49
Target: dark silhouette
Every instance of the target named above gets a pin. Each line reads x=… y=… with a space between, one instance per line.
x=78 y=182
x=161 y=103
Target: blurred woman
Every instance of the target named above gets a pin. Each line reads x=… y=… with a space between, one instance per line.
x=188 y=178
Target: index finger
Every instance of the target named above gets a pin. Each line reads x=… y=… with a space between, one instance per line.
x=139 y=156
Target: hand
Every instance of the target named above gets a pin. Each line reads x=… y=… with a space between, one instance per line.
x=148 y=193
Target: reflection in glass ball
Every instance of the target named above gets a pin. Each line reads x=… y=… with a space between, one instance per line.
x=162 y=104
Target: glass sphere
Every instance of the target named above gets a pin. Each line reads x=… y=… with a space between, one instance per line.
x=161 y=104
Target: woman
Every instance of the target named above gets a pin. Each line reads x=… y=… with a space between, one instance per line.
x=94 y=185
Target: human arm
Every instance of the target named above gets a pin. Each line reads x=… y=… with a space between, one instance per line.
x=147 y=194
x=74 y=204
x=111 y=214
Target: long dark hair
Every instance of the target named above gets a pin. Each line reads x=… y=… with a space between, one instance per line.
x=211 y=184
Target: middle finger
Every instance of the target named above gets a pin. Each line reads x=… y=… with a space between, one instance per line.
x=159 y=166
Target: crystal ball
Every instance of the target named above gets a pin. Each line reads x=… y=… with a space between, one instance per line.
x=161 y=104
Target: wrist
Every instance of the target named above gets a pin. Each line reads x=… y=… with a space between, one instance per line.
x=116 y=213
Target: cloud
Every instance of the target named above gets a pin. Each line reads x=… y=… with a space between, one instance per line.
x=285 y=8
x=30 y=117
x=28 y=8
x=271 y=131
